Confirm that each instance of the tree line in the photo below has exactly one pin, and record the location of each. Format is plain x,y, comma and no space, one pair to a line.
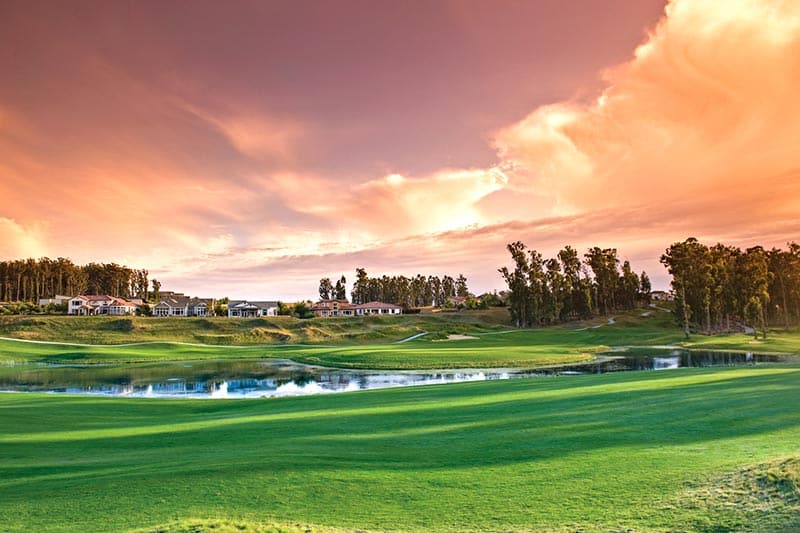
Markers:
407,292
718,287
548,291
28,280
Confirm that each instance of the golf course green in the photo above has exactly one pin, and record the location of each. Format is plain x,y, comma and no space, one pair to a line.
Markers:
604,452
691,449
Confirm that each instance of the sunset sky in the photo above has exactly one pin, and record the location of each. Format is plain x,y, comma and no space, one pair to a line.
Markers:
249,148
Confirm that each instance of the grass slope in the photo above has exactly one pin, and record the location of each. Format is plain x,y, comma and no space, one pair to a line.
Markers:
496,346
227,331
599,452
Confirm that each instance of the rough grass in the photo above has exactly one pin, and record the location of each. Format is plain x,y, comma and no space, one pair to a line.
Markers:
760,497
227,331
611,452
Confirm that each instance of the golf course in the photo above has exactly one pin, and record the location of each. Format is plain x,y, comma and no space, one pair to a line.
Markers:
687,449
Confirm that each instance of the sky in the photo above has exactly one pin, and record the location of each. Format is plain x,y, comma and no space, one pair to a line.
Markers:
249,148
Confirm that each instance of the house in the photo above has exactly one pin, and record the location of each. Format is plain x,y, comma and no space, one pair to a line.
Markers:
329,308
55,300
121,306
101,304
178,304
250,309
377,308
661,296
93,304
458,301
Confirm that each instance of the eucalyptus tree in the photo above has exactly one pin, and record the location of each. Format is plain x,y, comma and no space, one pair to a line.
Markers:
360,292
628,287
784,265
571,266
756,277
461,286
325,288
645,287
519,297
340,291
554,292
604,264
688,263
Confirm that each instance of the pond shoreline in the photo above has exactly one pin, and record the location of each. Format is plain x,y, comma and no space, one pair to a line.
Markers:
267,378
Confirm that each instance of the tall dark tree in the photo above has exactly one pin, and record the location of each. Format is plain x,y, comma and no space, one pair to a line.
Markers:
156,290
325,288
461,286
604,265
360,292
519,300
645,288
341,289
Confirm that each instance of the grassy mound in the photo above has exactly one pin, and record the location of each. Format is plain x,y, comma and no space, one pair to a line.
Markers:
760,497
227,331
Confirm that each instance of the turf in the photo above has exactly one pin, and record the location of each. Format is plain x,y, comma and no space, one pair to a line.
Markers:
232,331
599,452
494,346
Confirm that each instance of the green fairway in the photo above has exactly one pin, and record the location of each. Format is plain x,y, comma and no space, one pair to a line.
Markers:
605,452
492,345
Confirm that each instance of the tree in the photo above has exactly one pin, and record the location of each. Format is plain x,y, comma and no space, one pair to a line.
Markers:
555,291
628,287
519,301
325,288
360,292
461,286
645,288
754,314
571,266
301,310
689,262
755,277
603,263
341,289
156,290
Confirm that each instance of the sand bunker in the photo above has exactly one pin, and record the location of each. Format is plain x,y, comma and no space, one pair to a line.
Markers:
460,337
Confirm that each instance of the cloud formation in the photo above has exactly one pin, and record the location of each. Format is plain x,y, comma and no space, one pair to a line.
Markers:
240,187
700,112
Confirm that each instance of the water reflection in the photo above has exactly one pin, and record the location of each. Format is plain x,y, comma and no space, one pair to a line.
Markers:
277,378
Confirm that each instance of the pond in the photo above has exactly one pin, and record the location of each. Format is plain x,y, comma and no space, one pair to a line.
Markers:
276,378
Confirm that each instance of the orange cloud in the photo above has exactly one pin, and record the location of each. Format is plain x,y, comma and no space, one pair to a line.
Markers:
395,205
20,241
705,108
256,136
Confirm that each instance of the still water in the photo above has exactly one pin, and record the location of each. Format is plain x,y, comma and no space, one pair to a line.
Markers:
276,378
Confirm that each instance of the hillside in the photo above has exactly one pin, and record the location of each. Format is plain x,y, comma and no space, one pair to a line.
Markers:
248,332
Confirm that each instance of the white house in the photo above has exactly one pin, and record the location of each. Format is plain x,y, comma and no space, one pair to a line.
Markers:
377,308
248,309
331,308
55,300
121,306
661,296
